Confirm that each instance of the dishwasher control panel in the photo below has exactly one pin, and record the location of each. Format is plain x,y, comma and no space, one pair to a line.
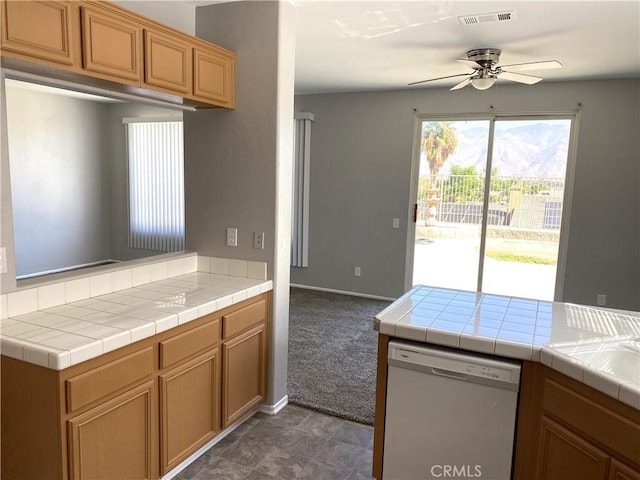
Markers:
453,363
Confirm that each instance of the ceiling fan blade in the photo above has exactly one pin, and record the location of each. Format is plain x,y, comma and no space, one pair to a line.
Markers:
440,78
519,77
462,84
470,63
520,67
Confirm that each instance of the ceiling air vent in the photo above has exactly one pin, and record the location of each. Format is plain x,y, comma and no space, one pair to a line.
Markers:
487,18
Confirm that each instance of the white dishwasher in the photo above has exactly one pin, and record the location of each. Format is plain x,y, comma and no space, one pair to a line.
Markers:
449,414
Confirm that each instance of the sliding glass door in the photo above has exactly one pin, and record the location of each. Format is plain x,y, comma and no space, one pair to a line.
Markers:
489,203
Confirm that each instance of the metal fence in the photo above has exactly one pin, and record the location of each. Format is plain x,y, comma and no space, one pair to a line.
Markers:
518,202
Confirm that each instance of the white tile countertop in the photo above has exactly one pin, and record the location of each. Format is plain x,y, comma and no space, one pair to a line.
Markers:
73,332
553,333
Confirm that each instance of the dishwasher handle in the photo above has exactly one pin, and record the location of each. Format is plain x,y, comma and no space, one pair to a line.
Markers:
449,374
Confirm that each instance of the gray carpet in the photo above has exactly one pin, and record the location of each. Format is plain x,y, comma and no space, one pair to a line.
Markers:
332,353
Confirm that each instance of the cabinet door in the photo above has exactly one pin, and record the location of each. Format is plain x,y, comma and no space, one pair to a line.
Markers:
620,471
244,373
564,455
38,29
213,76
189,408
167,62
115,439
111,45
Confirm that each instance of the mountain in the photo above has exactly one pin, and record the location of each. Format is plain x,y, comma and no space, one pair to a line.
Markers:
521,148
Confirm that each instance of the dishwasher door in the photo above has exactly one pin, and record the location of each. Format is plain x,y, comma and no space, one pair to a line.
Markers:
449,414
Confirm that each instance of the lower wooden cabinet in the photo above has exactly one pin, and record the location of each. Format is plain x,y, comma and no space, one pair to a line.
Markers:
116,439
565,455
244,383
568,430
137,412
189,408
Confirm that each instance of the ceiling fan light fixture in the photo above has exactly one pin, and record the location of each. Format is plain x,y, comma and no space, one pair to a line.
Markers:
483,82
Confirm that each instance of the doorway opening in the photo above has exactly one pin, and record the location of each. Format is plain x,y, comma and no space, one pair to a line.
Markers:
490,198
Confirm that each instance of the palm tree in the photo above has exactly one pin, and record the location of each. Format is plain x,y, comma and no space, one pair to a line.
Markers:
439,140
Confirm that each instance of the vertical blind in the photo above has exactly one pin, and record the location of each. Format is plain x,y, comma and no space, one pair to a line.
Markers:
300,200
156,185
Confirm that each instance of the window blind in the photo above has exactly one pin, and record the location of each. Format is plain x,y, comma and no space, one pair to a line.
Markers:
156,185
300,194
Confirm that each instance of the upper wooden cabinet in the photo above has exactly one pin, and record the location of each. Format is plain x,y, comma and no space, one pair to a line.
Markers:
168,62
94,38
111,45
42,30
213,75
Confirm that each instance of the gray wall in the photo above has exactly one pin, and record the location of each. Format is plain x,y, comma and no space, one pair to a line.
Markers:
59,178
175,13
238,163
361,149
7,279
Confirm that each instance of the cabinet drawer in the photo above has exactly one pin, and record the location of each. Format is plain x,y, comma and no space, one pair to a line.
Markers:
91,386
244,318
186,344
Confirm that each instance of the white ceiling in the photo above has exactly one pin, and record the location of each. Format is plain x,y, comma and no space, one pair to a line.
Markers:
378,45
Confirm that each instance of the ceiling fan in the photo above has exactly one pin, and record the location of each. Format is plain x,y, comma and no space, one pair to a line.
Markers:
484,61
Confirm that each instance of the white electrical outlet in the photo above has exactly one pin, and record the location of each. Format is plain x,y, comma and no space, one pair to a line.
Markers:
602,300
258,240
3,260
357,271
396,223
232,237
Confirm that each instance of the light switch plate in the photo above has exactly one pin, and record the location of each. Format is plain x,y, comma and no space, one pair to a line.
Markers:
232,237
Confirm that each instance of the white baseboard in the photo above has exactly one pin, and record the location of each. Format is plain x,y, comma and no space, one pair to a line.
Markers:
274,409
343,292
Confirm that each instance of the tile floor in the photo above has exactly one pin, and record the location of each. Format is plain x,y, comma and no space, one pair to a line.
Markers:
294,444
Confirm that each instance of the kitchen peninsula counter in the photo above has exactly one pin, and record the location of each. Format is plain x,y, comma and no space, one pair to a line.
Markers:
578,410
525,329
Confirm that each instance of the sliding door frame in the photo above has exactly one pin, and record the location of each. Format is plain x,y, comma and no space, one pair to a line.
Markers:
574,116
